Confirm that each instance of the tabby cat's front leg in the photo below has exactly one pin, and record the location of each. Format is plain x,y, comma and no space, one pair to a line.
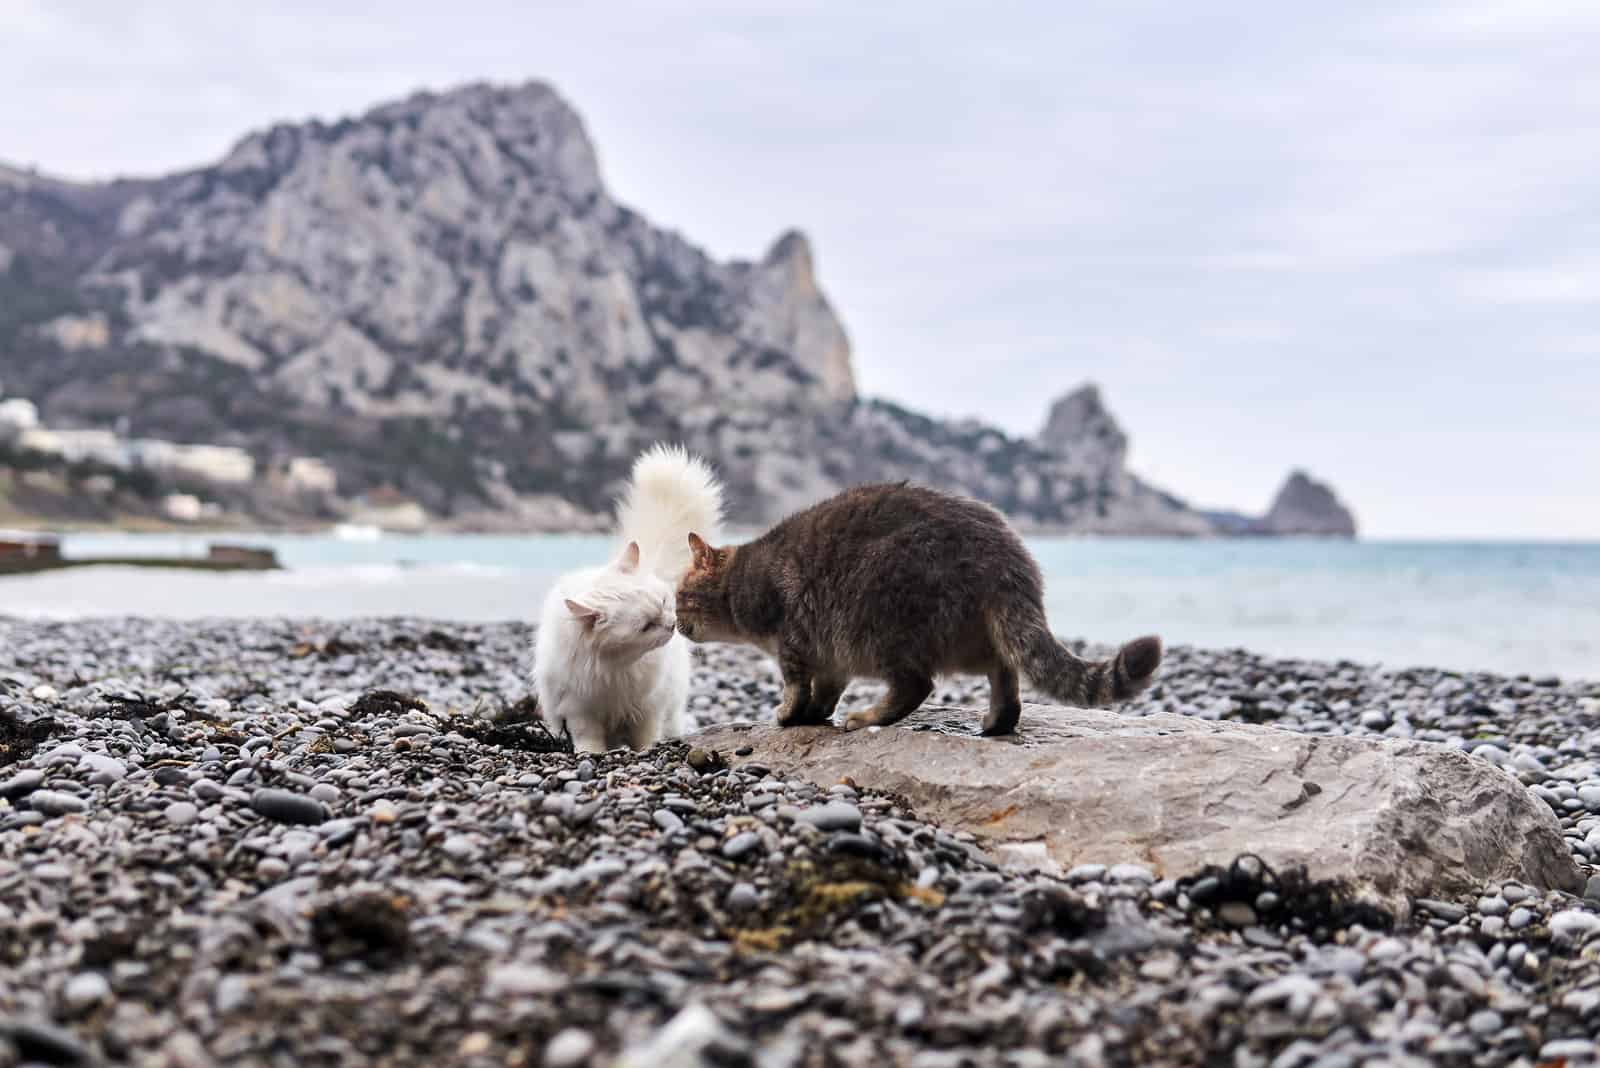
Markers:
795,708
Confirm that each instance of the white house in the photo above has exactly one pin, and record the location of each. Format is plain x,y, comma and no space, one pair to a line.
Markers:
214,463
184,507
311,475
101,446
217,463
16,416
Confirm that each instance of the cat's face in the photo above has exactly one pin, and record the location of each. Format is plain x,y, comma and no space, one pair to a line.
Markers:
625,612
702,600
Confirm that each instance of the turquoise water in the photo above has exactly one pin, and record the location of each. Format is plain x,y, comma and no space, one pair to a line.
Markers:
1531,608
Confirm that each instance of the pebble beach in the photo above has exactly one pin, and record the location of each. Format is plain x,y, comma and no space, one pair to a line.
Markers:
328,843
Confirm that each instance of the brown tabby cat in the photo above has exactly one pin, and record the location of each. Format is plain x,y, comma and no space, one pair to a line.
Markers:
899,583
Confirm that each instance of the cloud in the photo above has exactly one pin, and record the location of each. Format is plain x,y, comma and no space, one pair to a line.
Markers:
1579,285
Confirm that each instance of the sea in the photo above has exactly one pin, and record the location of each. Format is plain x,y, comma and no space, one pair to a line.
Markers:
1508,608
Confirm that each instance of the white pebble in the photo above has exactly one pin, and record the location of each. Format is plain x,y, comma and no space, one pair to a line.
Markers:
85,990
1131,873
1574,925
568,1049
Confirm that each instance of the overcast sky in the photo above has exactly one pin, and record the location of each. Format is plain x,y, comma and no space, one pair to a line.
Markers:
1358,238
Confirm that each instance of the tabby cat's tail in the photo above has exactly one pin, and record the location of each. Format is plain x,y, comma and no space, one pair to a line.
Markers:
1034,653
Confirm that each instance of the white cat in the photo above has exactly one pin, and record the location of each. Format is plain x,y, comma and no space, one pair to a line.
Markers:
609,664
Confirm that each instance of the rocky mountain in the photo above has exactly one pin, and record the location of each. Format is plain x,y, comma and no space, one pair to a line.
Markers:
1307,507
1080,426
1302,507
441,299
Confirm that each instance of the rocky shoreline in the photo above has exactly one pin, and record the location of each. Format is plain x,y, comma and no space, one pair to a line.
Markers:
305,843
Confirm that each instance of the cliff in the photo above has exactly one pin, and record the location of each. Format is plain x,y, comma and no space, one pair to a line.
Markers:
441,299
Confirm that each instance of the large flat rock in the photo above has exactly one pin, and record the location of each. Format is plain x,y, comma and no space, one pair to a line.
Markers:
1395,819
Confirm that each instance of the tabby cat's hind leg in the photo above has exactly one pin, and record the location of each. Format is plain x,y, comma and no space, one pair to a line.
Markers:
907,691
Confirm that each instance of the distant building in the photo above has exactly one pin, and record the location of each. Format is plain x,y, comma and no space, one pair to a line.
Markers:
74,332
214,463
79,446
38,439
16,417
391,510
308,474
217,463
101,446
183,507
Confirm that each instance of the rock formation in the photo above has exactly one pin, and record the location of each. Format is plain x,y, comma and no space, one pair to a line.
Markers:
1079,425
1394,819
1307,507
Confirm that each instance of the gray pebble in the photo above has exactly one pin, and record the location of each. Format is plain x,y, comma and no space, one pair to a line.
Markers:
103,769
741,845
1579,1050
272,869
1236,914
742,898
1445,910
833,816
232,994
1574,925
55,803
22,784
1485,1022
458,846
181,813
1131,873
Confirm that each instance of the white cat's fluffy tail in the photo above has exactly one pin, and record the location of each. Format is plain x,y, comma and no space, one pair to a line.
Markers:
670,494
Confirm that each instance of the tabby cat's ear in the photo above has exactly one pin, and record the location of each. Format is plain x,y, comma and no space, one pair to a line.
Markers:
583,613
628,562
704,555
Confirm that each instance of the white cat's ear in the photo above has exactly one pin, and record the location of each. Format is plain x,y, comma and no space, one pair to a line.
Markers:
583,613
628,562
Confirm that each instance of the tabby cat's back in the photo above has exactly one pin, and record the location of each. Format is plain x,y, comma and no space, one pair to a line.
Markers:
902,583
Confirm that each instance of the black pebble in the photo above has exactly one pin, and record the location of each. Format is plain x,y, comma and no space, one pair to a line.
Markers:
288,807
22,784
39,1041
855,845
